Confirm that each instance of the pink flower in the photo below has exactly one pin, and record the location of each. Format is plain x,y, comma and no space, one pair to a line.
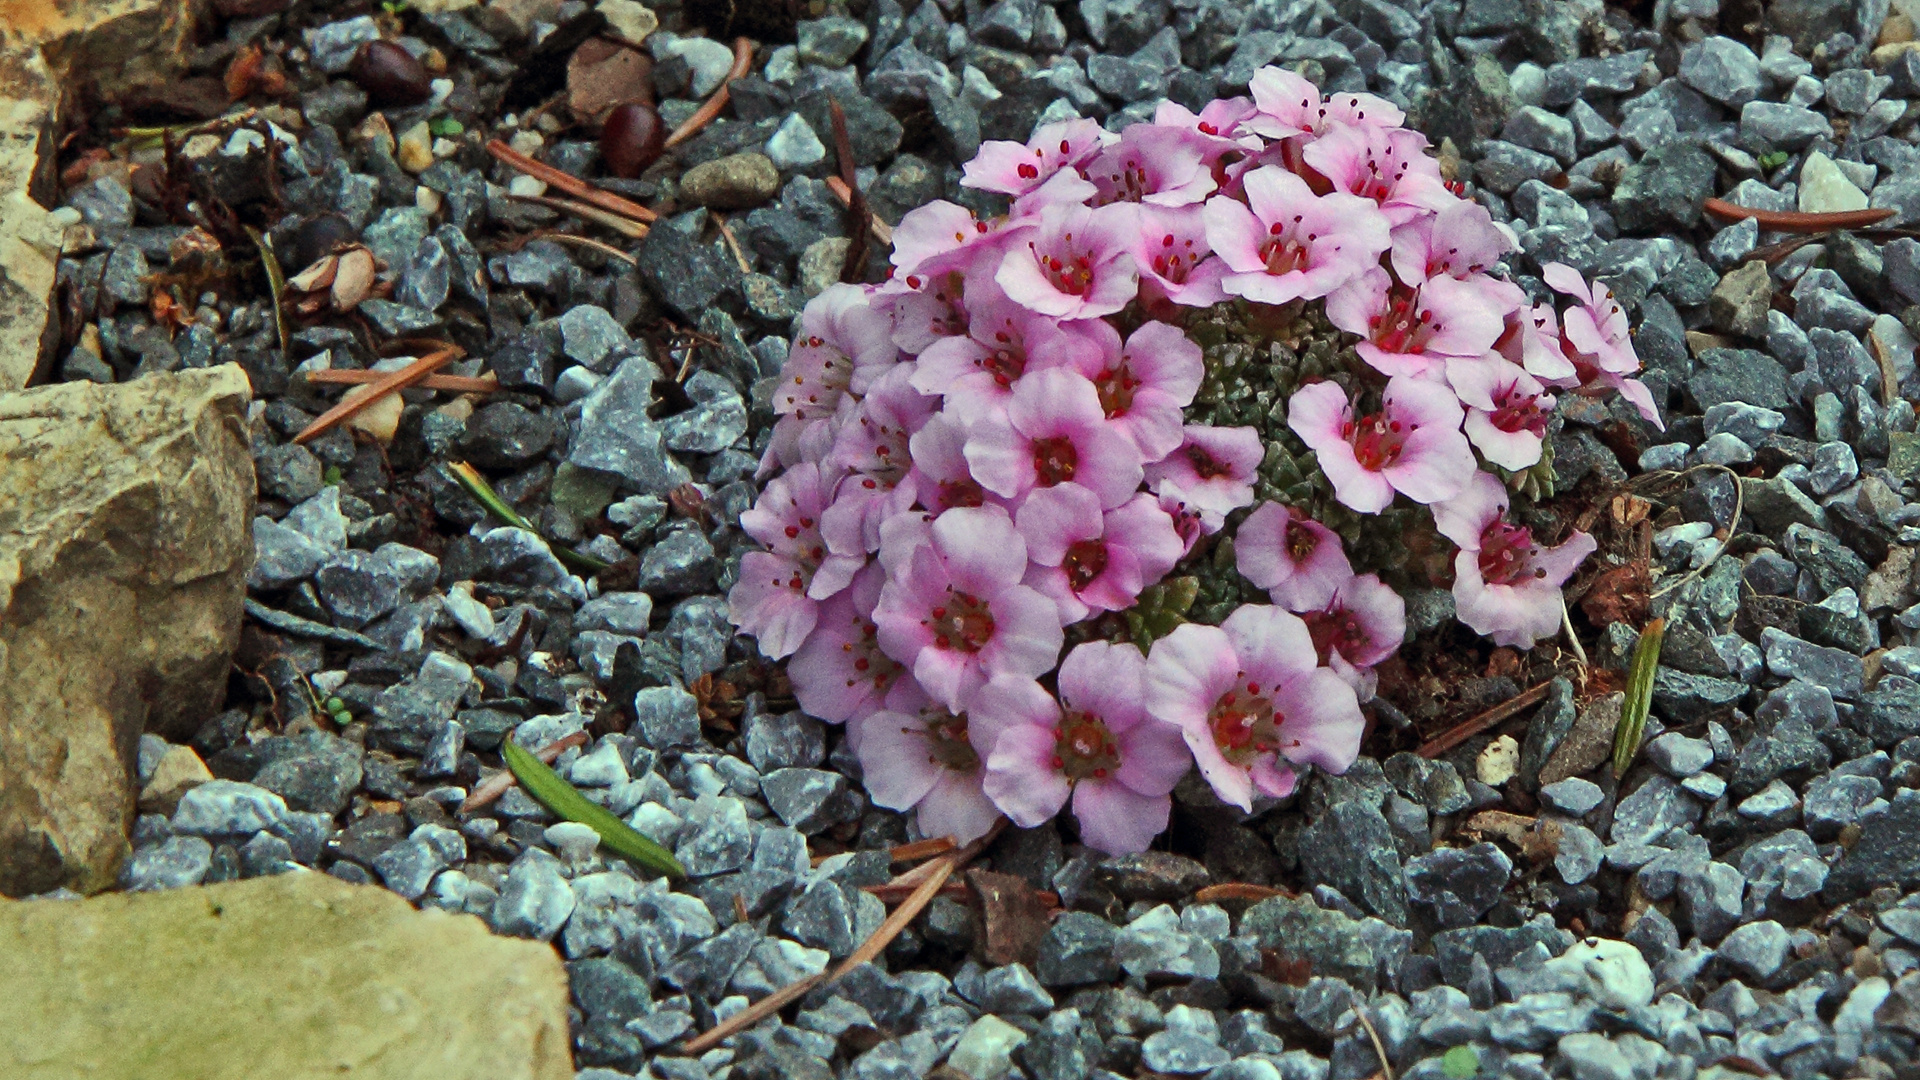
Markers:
937,238
1299,561
1507,410
958,615
1407,331
1249,698
1506,587
940,477
840,674
930,761
1055,432
1212,471
1171,252
847,344
930,309
976,372
1389,166
1189,523
1287,243
777,596
1144,386
1118,763
1013,169
1594,330
1412,445
1075,264
1218,121
1088,560
1363,624
1289,105
1160,166
1460,241
873,447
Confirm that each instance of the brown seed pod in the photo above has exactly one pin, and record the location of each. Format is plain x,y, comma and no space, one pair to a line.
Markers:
390,75
632,139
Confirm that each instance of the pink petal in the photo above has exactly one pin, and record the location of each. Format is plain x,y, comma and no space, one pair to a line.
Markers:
1117,820
1020,778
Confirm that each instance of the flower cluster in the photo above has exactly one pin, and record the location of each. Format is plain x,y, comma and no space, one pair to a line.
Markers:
979,459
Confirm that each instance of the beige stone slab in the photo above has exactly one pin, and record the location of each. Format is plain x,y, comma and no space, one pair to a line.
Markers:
124,550
295,977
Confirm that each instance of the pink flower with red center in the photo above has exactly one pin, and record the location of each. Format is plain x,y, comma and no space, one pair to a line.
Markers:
930,761
1076,263
1097,744
958,615
930,310
1251,701
840,673
1172,254
1507,410
976,372
1218,121
1086,559
1212,471
1461,241
1286,243
1413,445
845,346
1532,341
1390,167
1144,386
1506,586
1055,432
941,479
777,596
1411,330
1011,168
873,447
1287,105
1593,332
1159,166
1362,624
1189,523
1300,562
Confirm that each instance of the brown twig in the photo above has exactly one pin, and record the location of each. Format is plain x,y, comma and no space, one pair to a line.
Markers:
1461,732
881,231
457,384
859,217
588,212
1237,890
742,63
922,849
733,244
1797,221
1379,1048
496,785
893,894
598,245
909,909
386,384
572,185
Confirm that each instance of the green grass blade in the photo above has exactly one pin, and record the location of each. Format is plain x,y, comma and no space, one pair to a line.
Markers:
476,485
276,284
1633,714
564,799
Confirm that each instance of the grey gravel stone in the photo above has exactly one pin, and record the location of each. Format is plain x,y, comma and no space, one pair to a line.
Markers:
1755,950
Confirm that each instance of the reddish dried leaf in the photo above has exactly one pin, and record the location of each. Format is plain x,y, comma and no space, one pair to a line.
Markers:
1619,595
1014,916
1282,968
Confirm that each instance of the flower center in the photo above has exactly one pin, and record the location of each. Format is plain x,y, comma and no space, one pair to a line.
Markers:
962,492
1205,465
1085,562
1083,748
1054,461
1337,628
1244,724
1116,386
1377,440
1403,327
1506,554
869,663
1173,262
962,623
948,744
1071,274
950,318
1006,358
1284,251
1301,541
1375,182
1514,411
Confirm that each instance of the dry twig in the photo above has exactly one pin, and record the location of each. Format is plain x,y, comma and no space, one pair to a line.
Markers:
742,63
572,185
1465,730
456,384
859,217
384,385
588,212
879,229
1797,221
733,244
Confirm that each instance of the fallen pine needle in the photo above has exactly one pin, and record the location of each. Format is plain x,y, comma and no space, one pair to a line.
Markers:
733,244
1386,1067
882,231
567,182
588,212
922,849
1797,221
1237,890
742,63
908,910
496,785
458,384
1461,732
387,383
604,248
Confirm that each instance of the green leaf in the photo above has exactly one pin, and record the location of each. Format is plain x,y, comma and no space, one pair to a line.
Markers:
564,799
1773,160
446,127
1161,608
1633,714
469,478
276,283
1461,1063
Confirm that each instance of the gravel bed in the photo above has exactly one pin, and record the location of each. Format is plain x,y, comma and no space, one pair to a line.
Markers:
1739,902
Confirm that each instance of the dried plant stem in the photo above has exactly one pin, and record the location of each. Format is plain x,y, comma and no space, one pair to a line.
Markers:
1796,221
1461,732
572,185
496,785
589,212
733,244
1566,623
598,245
742,63
386,384
458,384
881,231
1386,1067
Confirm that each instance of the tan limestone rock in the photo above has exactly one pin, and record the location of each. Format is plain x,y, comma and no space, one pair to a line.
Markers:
178,771
124,550
295,977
